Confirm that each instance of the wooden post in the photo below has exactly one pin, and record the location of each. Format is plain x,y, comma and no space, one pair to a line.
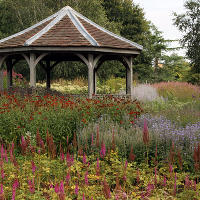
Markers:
9,73
1,80
32,67
48,75
95,80
91,63
2,59
129,76
32,62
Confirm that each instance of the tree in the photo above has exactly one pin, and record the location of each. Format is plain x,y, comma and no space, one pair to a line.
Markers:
189,24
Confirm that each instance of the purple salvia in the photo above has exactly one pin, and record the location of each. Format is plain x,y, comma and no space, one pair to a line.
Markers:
76,189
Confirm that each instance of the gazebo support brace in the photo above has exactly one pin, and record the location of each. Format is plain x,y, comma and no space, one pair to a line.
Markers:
91,63
129,76
48,67
2,59
32,62
9,66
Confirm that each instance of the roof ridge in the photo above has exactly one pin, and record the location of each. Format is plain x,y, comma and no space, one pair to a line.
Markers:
30,28
60,16
107,31
80,27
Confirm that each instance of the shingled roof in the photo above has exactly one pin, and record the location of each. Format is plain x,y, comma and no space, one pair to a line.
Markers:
67,28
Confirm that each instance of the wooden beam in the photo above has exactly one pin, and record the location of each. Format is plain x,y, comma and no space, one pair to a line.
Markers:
73,49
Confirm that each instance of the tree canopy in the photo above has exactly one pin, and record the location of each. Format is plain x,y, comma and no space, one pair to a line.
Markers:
189,24
119,16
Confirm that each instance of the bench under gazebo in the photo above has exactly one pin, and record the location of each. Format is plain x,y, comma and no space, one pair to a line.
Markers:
67,36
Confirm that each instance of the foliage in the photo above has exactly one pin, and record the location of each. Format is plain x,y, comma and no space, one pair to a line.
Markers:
61,115
34,174
121,17
188,23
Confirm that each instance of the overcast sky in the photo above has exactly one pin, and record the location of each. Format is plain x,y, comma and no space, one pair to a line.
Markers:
160,13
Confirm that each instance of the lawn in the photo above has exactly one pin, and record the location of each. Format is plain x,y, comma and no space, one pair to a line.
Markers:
56,146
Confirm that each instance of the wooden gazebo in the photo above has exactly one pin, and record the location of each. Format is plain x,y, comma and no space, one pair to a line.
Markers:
67,36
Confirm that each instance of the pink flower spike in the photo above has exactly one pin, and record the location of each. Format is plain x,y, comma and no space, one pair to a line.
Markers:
170,168
103,150
164,181
84,159
195,186
67,178
92,139
83,197
86,178
2,173
175,178
2,151
187,182
62,188
97,163
33,167
57,188
1,190
62,156
31,186
76,189
5,155
126,164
